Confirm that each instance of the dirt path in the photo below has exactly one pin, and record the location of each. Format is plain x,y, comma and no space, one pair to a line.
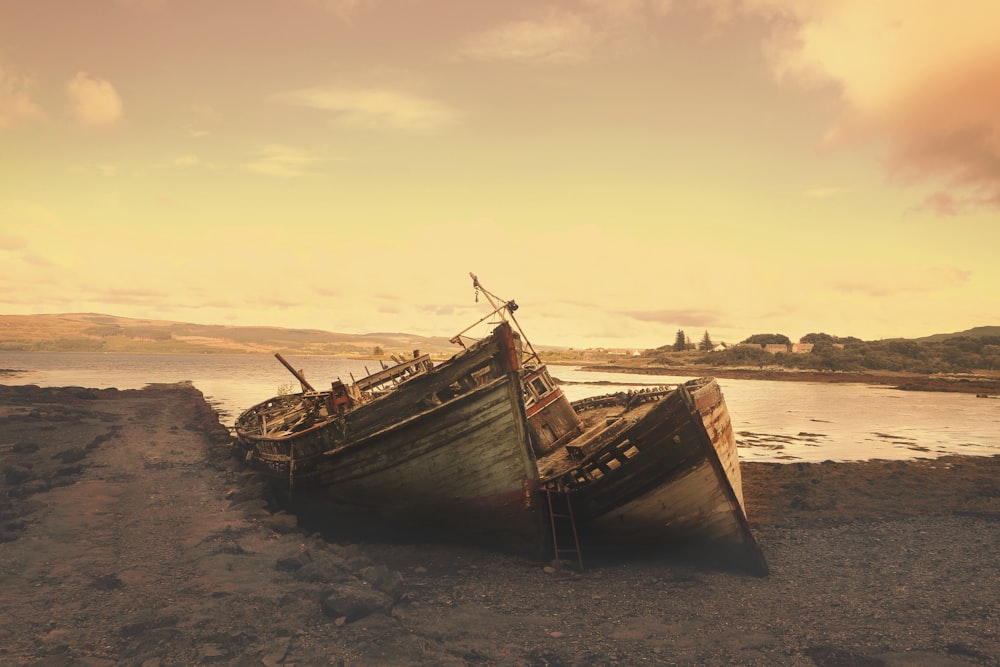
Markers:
128,536
133,548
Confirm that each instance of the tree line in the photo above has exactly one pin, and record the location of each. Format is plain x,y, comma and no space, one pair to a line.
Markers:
832,353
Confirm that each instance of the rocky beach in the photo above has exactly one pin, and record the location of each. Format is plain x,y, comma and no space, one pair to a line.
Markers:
129,535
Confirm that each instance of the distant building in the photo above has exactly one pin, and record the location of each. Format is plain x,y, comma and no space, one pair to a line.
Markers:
802,348
775,348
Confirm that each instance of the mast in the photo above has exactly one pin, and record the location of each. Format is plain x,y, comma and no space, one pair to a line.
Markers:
500,307
298,374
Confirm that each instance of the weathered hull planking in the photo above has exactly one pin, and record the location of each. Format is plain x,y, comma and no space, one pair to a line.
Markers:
675,480
467,449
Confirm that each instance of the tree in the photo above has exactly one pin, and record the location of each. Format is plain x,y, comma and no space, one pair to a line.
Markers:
680,342
768,339
743,356
377,351
818,339
706,343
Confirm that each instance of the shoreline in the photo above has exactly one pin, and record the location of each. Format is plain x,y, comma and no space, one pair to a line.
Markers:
131,535
985,386
968,384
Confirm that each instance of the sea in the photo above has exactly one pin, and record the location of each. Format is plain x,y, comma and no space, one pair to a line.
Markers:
774,421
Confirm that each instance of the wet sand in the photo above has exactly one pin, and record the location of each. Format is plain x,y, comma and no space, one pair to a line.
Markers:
130,536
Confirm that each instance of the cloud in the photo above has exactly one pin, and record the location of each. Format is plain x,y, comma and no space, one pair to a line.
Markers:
439,310
19,249
372,107
626,9
944,204
95,169
558,37
204,117
93,102
143,5
16,103
132,295
887,279
326,291
282,160
187,160
345,10
11,242
279,303
576,33
35,259
822,192
688,318
919,75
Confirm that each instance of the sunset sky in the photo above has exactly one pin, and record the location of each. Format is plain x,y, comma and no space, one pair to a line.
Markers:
621,168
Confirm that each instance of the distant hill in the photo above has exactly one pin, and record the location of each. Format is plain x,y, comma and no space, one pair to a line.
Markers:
94,332
975,332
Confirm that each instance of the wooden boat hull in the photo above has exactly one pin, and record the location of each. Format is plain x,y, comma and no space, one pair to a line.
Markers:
447,452
298,454
681,486
465,469
455,453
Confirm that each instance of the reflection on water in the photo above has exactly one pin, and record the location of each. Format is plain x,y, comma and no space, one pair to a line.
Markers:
773,421
232,382
812,421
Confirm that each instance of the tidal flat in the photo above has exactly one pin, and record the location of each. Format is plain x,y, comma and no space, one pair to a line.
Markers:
130,536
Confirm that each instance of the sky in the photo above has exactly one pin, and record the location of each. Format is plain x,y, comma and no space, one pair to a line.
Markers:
622,169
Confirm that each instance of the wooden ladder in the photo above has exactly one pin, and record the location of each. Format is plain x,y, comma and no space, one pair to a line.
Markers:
561,511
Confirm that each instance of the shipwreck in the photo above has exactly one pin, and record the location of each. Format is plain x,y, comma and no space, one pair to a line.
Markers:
486,447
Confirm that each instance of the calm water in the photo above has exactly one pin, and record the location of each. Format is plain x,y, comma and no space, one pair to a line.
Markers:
774,421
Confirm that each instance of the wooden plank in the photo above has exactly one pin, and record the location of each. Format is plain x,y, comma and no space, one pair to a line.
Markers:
394,372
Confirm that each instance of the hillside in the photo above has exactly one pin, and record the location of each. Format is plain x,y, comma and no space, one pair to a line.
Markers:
975,332
92,332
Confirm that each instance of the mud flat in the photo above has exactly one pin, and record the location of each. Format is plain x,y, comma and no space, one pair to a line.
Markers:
129,536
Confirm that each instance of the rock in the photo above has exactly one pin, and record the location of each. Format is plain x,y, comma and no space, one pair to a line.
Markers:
321,567
292,564
16,474
71,455
282,523
354,601
30,488
385,580
16,525
108,582
64,476
276,652
213,653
